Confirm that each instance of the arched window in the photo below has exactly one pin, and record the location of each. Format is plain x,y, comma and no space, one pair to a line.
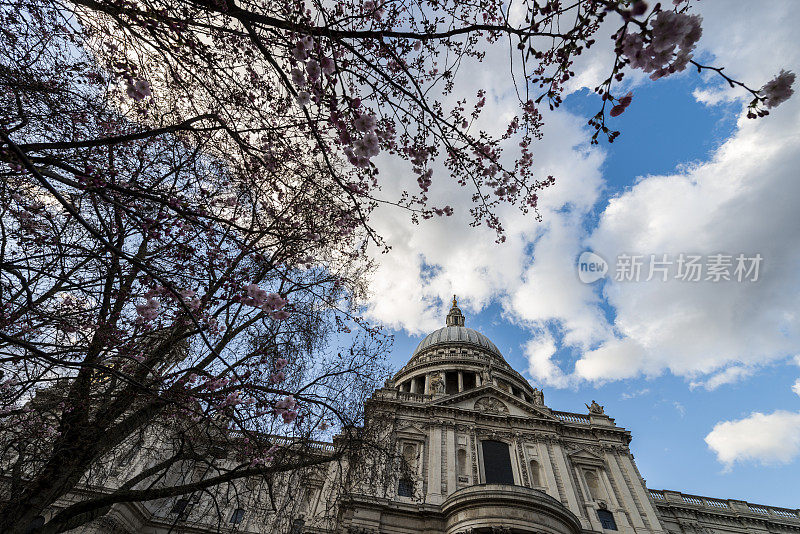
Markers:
497,463
535,477
410,457
461,462
594,485
405,486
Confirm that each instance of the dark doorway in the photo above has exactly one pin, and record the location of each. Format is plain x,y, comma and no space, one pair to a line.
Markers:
497,463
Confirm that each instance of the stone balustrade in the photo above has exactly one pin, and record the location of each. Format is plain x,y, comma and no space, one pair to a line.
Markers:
666,497
572,417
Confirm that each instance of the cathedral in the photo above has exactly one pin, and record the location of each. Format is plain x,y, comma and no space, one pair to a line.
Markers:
481,453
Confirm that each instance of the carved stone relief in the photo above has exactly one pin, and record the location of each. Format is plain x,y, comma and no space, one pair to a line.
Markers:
490,405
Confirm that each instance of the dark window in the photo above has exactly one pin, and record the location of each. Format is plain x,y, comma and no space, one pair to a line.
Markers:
180,506
497,463
237,516
469,381
420,384
405,488
607,520
297,526
451,383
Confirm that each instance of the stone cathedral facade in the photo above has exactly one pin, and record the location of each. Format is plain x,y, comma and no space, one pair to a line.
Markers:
482,453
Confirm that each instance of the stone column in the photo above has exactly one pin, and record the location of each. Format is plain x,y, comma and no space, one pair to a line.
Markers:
548,471
460,381
639,488
427,384
625,494
413,387
434,495
452,459
566,479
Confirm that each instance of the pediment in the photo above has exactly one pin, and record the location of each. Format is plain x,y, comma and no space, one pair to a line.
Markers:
586,457
493,401
411,432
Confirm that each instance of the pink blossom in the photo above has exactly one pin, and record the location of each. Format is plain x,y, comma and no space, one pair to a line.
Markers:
298,78
424,180
274,301
279,315
216,384
673,38
286,403
622,104
365,123
231,400
303,98
255,295
189,298
289,416
358,161
299,52
367,146
277,378
280,363
312,69
138,90
148,311
328,66
372,8
779,89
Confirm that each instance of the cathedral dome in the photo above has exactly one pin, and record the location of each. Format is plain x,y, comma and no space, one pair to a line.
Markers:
455,359
456,334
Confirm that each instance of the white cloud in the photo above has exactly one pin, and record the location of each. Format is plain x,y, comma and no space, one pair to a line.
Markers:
796,386
765,438
634,394
730,375
740,200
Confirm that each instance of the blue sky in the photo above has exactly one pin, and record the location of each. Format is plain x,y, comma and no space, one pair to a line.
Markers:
676,364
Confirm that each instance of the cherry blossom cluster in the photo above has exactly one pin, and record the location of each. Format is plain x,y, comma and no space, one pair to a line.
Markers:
285,408
779,89
367,146
666,48
269,302
622,105
137,89
279,375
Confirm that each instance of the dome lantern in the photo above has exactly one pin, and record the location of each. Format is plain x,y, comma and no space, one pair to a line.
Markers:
455,317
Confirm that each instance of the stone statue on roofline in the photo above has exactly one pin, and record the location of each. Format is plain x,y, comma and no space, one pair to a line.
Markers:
595,408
